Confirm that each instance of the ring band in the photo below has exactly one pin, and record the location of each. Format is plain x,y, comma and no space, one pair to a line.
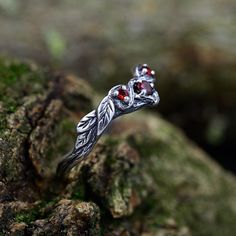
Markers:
121,99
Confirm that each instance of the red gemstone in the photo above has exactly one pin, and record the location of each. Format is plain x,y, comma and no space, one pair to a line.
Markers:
148,70
139,86
122,94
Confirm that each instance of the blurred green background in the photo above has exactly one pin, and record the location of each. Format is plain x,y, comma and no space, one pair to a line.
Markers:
191,45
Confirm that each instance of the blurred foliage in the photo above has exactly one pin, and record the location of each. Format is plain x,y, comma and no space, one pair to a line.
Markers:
56,44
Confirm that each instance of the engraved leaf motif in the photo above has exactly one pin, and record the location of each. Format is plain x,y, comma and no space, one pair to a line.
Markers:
87,130
87,122
87,137
105,113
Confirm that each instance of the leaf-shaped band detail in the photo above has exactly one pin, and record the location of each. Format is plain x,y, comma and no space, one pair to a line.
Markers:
87,130
105,113
87,122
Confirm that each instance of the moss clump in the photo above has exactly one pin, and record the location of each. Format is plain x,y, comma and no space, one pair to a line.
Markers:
26,217
186,186
18,80
41,211
119,196
10,72
29,215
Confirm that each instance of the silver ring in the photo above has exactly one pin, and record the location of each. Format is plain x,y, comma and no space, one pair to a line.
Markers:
121,99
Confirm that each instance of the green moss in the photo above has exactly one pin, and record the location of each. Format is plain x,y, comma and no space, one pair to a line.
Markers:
153,212
183,185
25,217
79,190
10,103
199,165
28,216
14,83
38,212
78,193
11,71
147,146
119,195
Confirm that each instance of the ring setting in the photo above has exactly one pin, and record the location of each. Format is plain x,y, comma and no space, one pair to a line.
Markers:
121,99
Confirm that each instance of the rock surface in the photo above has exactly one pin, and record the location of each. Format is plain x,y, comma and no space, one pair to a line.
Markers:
148,179
190,43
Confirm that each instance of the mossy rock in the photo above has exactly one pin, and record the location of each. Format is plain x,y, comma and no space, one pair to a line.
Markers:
148,179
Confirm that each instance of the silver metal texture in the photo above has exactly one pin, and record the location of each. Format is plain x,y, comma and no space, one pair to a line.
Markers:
121,99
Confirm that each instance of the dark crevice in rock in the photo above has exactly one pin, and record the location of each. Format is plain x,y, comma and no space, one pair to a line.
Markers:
54,93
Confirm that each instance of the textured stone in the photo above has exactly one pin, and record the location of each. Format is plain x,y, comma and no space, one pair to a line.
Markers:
148,179
69,218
